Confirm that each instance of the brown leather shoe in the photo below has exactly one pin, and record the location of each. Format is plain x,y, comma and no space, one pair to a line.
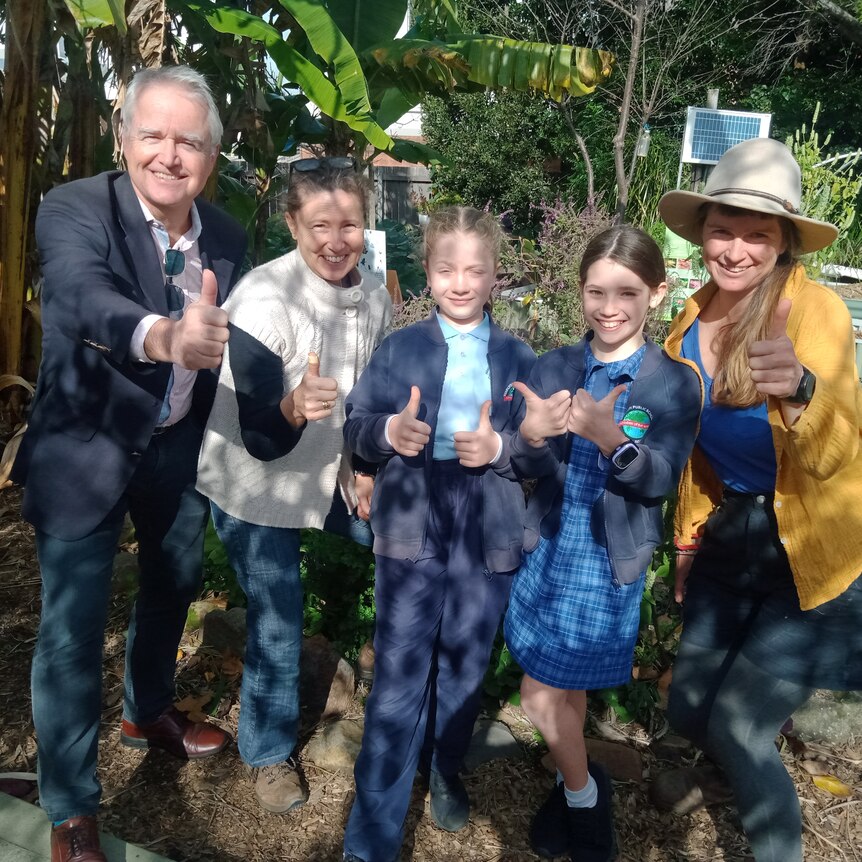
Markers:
76,840
175,733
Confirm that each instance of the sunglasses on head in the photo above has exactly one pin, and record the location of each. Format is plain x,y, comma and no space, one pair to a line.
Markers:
338,163
175,263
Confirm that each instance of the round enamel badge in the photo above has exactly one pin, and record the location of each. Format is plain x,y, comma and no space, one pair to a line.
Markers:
636,422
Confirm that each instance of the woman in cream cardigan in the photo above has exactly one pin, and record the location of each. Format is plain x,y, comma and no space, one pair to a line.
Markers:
768,524
302,328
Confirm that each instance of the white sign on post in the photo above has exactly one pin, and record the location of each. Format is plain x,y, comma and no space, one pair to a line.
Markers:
374,254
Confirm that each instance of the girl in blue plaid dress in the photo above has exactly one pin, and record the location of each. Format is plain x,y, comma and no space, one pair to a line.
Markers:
614,449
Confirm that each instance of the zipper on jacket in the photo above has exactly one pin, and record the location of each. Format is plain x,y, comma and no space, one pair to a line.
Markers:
614,579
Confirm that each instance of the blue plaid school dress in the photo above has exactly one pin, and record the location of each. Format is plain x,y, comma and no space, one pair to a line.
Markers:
568,625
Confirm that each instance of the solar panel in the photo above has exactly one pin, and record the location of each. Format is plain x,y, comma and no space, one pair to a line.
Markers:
710,132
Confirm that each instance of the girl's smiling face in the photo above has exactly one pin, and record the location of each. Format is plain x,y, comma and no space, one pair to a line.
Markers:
616,302
461,272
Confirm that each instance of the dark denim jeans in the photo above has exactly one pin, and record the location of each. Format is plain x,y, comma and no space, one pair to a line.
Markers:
266,561
744,659
170,519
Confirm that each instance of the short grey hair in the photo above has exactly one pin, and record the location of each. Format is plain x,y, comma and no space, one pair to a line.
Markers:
177,76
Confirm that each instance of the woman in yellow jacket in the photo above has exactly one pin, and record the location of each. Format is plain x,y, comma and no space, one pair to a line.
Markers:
769,522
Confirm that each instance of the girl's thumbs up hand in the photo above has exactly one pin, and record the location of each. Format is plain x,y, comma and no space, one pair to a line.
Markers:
594,420
546,417
478,448
407,434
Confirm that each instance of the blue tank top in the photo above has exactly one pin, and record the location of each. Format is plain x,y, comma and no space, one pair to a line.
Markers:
737,441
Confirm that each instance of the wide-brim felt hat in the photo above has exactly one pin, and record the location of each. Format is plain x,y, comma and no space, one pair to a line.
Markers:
760,175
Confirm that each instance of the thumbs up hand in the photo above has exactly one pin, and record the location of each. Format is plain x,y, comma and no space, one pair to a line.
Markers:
313,399
209,289
198,338
774,367
546,417
409,435
478,448
594,420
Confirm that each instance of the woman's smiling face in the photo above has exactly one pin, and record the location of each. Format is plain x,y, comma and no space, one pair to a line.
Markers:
329,231
741,248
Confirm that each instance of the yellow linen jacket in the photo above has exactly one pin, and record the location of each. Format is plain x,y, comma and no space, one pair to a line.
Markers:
818,487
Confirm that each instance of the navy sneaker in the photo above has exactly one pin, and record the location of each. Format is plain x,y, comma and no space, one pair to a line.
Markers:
450,805
591,830
549,831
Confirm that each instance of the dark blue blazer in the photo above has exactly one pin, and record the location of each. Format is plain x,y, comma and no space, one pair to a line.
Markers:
95,408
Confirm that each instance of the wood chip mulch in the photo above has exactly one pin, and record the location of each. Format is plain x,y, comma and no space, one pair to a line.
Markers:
206,811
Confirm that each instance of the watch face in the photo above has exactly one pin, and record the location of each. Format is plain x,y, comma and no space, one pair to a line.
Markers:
805,391
624,455
806,385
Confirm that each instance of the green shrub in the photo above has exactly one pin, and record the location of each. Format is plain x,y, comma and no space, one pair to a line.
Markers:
338,576
402,244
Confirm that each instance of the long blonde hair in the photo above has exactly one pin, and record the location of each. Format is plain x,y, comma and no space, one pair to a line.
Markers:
732,385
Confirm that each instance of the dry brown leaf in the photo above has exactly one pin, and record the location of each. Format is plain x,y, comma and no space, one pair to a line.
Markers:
194,703
815,767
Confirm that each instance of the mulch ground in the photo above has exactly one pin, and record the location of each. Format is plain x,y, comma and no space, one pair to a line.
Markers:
206,812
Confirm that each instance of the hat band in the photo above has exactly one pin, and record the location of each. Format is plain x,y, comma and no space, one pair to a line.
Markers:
784,204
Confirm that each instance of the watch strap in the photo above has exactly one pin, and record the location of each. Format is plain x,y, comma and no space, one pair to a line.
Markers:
805,391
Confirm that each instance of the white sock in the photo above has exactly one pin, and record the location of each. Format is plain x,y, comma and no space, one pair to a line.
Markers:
586,797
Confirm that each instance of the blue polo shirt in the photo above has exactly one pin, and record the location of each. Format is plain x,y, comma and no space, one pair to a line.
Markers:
466,387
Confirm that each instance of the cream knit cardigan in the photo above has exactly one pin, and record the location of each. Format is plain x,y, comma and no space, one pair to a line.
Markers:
292,311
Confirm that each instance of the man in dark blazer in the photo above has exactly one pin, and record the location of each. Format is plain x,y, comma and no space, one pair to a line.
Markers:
135,267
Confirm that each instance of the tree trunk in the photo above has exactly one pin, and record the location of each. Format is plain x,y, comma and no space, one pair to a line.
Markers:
84,126
25,25
625,110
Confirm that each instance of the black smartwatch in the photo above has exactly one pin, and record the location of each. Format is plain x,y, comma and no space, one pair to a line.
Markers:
624,454
805,391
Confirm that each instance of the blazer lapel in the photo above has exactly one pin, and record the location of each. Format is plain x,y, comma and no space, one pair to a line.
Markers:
142,255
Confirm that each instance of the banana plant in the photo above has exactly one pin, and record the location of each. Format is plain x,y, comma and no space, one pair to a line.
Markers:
348,60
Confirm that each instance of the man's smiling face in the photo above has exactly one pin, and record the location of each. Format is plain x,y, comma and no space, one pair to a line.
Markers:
168,151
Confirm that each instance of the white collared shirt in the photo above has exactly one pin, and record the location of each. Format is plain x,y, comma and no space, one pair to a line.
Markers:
189,281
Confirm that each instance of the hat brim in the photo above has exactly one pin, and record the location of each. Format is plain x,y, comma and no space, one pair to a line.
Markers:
681,212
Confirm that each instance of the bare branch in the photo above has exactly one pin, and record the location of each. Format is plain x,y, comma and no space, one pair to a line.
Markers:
847,24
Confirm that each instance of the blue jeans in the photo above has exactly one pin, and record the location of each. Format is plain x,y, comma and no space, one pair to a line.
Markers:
266,562
170,519
744,662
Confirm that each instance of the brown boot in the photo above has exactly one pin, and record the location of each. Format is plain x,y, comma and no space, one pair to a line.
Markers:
280,788
685,790
76,840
